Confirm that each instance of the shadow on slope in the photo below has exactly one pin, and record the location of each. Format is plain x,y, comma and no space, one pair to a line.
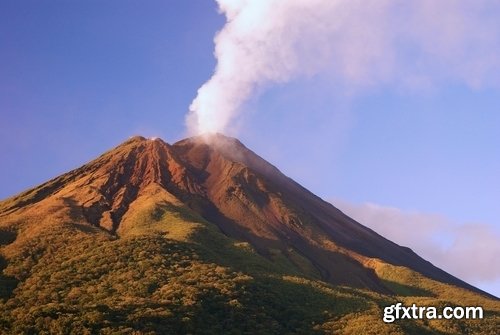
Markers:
7,283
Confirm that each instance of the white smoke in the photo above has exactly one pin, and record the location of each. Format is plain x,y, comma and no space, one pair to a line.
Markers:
359,43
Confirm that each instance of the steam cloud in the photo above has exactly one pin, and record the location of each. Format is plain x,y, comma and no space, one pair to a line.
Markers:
357,43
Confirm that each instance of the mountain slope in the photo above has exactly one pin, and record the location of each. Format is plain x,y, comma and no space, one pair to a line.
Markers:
267,204
153,237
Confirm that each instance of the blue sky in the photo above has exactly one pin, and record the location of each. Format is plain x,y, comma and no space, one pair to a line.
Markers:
77,78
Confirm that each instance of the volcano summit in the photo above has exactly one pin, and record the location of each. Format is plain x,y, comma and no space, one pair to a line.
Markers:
204,236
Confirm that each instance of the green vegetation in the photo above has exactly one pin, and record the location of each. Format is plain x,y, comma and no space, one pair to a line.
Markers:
155,285
171,272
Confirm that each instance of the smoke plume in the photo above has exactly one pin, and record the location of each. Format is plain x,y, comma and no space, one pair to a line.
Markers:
357,43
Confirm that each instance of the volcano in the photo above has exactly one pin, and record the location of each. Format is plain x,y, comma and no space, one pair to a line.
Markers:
205,236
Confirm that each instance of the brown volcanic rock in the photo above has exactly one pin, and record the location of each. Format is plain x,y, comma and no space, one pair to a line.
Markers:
270,210
228,185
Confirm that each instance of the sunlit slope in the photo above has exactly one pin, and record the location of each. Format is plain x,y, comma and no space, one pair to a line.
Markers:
153,238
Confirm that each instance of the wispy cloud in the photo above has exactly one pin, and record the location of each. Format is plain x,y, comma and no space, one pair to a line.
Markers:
410,44
469,251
